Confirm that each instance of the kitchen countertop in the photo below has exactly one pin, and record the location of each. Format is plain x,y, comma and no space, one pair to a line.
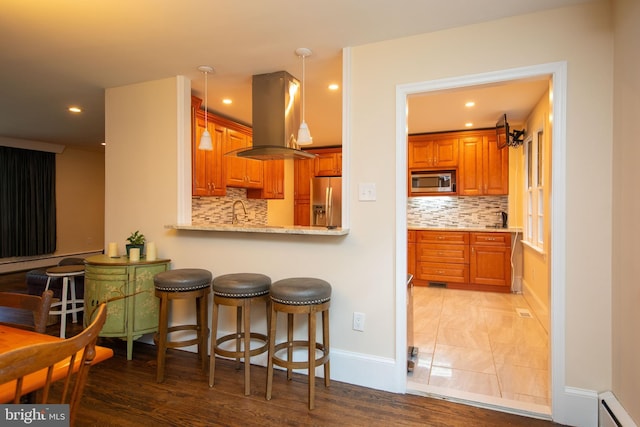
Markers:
476,228
269,229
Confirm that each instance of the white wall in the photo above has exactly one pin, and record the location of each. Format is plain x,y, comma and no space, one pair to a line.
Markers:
361,266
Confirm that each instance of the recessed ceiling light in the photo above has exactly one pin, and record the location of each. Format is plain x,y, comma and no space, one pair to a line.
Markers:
469,104
227,101
468,124
75,109
334,86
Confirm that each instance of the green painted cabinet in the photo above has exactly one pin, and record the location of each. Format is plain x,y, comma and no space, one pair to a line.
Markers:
127,288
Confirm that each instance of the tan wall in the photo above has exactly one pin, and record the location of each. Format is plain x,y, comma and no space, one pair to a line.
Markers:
79,201
626,207
537,264
361,266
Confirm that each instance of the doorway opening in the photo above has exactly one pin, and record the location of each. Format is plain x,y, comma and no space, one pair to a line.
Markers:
556,73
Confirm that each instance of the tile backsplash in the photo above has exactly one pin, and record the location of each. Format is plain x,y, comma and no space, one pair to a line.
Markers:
446,211
219,210
434,211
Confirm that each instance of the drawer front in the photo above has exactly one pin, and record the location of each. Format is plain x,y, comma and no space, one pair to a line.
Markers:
411,236
491,239
432,252
443,272
450,237
109,270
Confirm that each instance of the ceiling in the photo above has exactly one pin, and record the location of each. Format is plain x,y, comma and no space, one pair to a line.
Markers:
66,52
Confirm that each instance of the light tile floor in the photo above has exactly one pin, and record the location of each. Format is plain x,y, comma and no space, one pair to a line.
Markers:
476,346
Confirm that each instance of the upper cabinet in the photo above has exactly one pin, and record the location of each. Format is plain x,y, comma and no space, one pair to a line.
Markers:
428,151
272,181
208,175
483,168
245,173
212,171
328,162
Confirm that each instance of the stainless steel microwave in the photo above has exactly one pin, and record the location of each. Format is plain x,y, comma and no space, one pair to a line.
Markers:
425,182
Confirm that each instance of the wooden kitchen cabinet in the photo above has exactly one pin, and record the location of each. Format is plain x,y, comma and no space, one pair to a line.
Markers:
490,262
328,162
483,168
207,167
129,291
303,172
244,173
442,257
272,181
429,151
411,252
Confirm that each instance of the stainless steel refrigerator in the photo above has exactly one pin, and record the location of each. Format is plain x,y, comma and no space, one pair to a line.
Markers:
326,202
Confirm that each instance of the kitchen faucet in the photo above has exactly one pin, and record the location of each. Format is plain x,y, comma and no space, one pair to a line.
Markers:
234,215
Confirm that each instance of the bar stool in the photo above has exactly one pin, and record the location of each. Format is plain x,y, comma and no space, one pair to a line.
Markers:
300,295
185,283
68,274
239,290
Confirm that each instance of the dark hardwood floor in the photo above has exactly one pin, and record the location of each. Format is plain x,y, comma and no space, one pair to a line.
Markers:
125,393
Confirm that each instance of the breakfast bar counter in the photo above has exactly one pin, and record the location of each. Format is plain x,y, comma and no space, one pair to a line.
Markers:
269,229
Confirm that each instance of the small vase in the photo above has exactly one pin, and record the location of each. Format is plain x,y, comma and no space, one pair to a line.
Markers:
135,246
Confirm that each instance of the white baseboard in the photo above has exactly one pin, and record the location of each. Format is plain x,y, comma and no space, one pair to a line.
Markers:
576,407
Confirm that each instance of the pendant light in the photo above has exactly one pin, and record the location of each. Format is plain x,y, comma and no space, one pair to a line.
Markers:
304,136
205,139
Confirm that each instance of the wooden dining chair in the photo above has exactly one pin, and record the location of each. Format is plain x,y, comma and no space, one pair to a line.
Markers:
73,355
38,305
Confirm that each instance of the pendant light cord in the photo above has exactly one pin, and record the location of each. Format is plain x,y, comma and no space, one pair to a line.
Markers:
205,100
304,98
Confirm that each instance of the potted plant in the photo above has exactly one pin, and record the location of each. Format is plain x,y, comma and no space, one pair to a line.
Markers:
136,240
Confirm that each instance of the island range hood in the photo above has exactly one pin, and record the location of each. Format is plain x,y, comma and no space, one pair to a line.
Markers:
276,118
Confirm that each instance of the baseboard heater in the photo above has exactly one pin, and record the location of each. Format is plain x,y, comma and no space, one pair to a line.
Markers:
611,413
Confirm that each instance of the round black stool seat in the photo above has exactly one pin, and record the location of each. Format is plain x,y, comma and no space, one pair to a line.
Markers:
241,285
185,284
301,291
182,280
300,295
239,290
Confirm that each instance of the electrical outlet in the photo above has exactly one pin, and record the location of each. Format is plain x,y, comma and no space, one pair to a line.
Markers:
358,321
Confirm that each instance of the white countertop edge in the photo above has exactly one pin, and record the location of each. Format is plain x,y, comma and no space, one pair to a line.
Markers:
292,229
477,228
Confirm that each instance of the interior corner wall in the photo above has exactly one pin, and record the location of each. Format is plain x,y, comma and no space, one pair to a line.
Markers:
626,207
79,201
141,159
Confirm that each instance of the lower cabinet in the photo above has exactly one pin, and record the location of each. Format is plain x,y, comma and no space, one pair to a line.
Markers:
490,264
411,252
461,259
128,290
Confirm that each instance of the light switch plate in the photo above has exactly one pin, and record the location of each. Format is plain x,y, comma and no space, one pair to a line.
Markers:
367,191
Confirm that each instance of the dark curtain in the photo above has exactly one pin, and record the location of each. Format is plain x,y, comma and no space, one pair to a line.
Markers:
27,202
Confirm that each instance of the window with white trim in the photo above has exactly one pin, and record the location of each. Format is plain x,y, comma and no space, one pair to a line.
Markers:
534,190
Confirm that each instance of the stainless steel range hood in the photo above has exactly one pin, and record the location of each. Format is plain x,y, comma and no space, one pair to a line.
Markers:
276,118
